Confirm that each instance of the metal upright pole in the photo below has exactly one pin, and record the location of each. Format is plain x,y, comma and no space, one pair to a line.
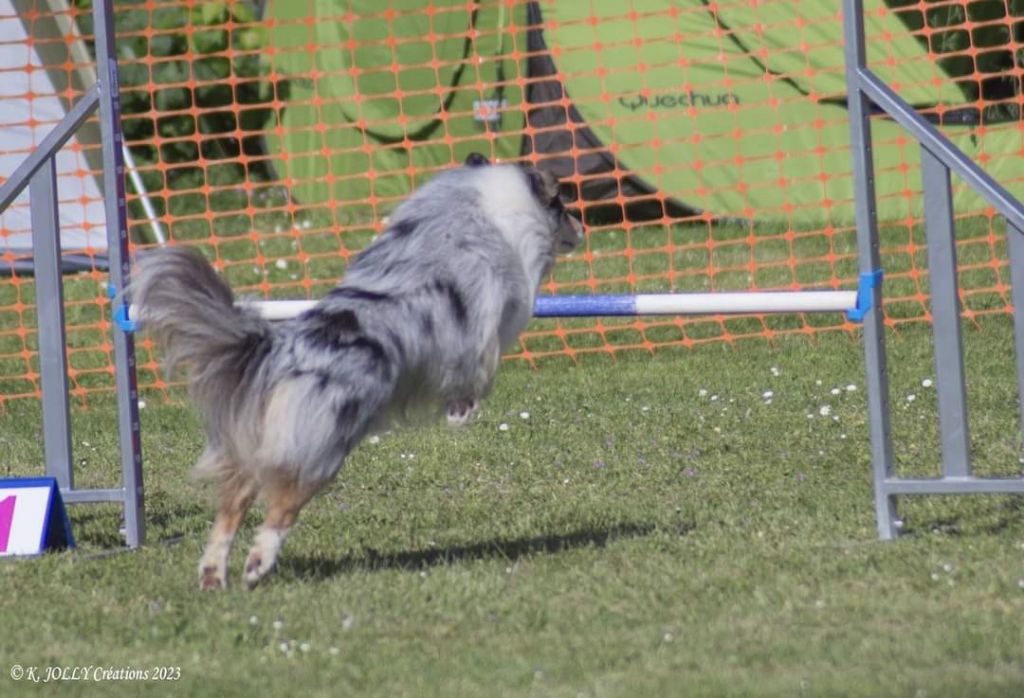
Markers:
117,249
53,367
870,264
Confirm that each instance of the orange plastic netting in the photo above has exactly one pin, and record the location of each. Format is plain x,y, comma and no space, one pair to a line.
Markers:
706,145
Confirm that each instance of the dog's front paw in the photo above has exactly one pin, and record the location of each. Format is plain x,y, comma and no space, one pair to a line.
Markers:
460,411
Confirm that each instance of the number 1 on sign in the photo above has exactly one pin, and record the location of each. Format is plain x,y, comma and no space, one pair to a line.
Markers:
6,517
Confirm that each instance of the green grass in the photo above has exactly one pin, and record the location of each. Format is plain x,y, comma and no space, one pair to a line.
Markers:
634,536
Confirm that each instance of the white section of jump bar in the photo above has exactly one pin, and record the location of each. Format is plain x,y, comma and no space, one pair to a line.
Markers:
281,310
749,302
640,304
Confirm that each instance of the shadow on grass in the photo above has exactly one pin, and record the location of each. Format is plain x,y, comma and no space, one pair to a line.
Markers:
509,550
97,527
991,515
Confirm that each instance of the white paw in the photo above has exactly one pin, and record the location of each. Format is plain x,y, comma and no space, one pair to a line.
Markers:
461,411
213,565
262,556
256,568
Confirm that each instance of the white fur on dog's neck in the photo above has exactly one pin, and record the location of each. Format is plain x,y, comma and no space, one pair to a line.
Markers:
506,198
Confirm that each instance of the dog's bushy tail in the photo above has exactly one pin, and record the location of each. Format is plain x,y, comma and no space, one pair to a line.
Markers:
189,311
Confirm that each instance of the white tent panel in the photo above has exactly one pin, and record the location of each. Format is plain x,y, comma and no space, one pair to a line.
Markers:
30,105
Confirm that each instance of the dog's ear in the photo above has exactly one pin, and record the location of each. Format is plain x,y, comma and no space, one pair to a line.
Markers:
544,185
476,160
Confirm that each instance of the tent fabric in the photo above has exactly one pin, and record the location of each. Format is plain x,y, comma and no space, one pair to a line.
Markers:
722,108
41,41
31,105
377,99
563,142
737,109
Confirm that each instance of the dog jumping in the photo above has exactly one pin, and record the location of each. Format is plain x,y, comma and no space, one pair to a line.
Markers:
415,329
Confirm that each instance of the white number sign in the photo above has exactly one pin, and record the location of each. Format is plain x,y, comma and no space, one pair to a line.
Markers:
32,517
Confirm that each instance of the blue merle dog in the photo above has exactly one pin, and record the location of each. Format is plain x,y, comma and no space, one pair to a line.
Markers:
416,327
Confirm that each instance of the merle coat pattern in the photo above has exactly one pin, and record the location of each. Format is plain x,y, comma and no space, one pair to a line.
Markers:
416,328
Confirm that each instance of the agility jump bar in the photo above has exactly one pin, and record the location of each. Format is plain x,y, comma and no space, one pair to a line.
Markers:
853,303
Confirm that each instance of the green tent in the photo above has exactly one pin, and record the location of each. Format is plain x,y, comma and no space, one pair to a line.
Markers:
737,109
379,95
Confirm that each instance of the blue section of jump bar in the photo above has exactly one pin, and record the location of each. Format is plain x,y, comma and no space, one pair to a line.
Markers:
122,320
866,286
584,306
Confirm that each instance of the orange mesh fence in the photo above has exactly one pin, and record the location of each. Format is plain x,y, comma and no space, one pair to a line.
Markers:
705,144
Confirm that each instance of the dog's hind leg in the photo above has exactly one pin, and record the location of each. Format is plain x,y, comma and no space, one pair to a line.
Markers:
236,495
284,501
460,410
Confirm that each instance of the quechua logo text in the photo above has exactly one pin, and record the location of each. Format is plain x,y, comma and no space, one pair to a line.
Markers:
681,100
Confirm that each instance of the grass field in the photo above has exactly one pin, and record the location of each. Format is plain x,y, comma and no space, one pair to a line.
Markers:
699,523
